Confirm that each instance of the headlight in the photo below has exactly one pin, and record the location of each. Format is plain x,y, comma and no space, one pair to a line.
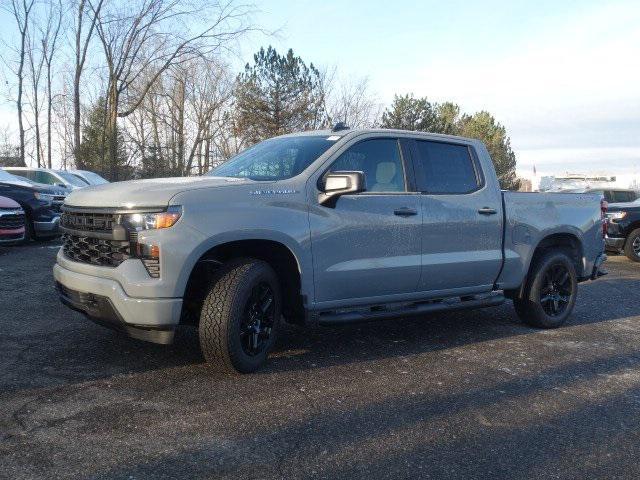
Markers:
45,197
616,215
152,221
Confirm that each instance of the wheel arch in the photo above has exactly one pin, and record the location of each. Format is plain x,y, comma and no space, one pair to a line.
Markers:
279,253
557,239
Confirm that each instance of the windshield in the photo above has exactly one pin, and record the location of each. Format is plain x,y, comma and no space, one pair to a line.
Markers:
93,178
72,179
7,177
275,159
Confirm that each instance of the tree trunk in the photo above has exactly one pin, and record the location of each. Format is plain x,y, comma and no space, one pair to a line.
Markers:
49,107
112,130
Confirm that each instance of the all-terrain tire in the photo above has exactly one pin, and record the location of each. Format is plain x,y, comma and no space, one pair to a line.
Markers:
224,312
631,246
535,306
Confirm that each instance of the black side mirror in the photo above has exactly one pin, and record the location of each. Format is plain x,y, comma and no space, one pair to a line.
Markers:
337,184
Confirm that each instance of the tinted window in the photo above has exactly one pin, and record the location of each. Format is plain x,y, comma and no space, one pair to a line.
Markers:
274,159
380,161
45,177
622,196
445,168
21,173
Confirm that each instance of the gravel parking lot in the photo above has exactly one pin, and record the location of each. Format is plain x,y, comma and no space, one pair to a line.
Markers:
465,395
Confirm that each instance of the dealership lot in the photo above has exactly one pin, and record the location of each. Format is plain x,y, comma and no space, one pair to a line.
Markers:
464,395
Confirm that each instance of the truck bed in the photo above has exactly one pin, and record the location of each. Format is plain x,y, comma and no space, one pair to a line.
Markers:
530,217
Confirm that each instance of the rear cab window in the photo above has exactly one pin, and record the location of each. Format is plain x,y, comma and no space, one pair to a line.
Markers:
445,168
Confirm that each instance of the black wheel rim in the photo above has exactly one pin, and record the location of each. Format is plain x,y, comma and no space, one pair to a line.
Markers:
636,246
557,290
258,320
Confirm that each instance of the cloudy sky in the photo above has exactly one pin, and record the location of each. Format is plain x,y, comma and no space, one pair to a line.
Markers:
562,76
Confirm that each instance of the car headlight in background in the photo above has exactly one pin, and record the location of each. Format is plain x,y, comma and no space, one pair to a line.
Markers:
152,221
615,216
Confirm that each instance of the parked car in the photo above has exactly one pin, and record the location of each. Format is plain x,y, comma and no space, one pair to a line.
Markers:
325,227
618,195
57,178
623,230
12,221
90,178
41,204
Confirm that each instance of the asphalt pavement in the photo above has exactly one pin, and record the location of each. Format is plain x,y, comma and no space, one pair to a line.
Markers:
463,395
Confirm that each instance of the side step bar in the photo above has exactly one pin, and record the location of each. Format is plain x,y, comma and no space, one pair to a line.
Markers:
343,317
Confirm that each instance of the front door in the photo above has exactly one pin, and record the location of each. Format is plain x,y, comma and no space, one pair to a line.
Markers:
368,245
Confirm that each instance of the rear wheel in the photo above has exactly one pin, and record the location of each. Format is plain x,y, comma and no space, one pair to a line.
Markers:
240,316
550,293
632,246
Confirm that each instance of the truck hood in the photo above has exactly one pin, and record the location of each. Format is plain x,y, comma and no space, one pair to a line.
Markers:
154,192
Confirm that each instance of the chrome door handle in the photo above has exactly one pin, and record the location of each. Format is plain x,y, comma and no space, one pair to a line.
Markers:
487,211
405,212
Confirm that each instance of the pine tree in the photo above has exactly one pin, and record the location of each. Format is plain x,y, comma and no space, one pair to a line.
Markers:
277,95
483,126
418,114
94,151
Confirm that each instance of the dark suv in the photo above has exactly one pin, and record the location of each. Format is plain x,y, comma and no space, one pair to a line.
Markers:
41,204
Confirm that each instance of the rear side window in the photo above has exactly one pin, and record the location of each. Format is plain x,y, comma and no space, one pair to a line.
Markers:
445,168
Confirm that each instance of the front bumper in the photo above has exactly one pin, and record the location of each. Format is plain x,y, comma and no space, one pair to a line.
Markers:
47,228
104,301
614,243
10,236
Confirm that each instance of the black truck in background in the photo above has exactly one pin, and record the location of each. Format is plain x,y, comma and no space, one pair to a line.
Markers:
623,229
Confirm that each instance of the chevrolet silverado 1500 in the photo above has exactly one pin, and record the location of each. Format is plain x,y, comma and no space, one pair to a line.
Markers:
322,227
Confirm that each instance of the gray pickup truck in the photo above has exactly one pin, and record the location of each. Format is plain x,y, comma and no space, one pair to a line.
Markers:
322,227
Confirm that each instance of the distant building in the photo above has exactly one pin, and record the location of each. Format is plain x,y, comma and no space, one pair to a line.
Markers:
575,181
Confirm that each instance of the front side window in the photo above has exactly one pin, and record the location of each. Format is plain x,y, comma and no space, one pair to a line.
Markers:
380,161
445,168
46,178
275,159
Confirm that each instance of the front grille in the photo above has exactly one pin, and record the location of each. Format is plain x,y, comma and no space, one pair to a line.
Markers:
96,251
88,222
11,221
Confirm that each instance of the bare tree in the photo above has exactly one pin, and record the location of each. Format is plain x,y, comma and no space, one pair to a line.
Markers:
35,63
49,40
351,101
144,38
87,15
20,10
174,127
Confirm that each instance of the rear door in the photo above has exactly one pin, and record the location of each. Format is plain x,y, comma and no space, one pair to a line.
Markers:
368,245
462,219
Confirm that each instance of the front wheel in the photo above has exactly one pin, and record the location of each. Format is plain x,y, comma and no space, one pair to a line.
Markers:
240,316
550,293
632,246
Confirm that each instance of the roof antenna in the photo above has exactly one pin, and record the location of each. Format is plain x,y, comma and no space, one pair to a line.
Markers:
339,126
